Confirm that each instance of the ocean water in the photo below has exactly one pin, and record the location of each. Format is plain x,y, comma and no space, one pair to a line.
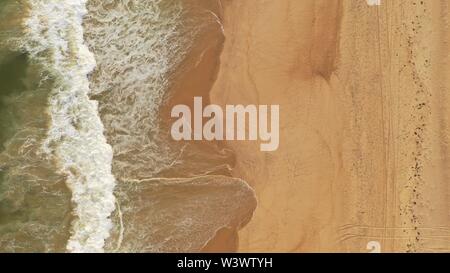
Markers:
35,207
52,39
136,44
86,163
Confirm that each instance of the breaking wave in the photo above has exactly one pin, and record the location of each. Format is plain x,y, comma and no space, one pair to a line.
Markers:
53,38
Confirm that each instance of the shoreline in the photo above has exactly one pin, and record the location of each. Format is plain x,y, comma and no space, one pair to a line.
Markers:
194,77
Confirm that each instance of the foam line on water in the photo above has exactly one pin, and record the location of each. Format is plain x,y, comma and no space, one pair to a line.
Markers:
137,44
53,37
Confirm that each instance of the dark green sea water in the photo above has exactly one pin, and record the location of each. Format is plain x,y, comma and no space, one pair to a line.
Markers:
34,201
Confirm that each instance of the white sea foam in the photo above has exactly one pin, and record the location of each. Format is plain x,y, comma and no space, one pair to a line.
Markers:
136,44
54,38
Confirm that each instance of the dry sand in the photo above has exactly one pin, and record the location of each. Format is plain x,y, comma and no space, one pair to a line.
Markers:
364,96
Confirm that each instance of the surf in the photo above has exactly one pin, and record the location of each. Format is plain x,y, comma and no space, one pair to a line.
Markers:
53,38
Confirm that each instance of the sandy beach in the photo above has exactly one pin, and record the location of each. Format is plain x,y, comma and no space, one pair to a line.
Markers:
364,98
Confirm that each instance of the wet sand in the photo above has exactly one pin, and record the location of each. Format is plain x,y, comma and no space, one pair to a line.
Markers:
227,203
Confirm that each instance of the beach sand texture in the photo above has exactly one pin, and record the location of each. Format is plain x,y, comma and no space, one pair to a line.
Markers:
364,123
